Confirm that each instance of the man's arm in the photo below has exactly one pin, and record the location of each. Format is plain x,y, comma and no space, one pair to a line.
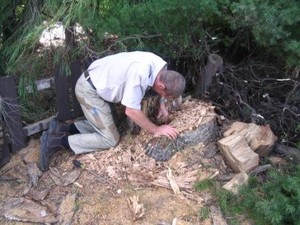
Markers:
163,110
140,119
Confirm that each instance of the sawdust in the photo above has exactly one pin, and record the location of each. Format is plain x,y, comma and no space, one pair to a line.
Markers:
114,180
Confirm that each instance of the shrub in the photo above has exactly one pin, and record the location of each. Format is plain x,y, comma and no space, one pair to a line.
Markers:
276,201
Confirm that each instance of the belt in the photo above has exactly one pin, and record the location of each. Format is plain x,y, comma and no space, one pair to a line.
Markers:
88,79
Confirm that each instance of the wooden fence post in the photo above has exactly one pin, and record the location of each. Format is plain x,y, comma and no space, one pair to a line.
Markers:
76,71
5,154
62,94
66,101
11,113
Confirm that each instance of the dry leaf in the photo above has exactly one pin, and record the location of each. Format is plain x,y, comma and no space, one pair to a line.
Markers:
55,176
66,209
111,172
70,177
34,173
65,179
137,209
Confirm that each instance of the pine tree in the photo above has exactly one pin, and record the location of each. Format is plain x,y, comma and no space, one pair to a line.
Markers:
183,30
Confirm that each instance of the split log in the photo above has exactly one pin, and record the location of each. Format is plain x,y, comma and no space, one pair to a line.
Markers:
238,154
244,143
260,138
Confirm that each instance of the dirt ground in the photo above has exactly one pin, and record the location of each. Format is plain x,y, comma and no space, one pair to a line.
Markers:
118,186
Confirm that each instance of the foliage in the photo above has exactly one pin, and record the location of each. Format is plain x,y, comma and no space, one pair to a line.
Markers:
41,105
204,213
276,201
273,24
184,30
204,184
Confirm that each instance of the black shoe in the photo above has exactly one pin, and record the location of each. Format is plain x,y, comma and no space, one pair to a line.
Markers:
56,127
50,143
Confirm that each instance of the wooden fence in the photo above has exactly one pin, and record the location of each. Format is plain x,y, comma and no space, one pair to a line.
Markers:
10,114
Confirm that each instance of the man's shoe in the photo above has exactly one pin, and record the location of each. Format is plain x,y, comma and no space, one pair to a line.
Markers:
56,127
50,143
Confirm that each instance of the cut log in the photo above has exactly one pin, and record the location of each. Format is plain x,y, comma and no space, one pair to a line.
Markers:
244,143
260,138
196,123
238,154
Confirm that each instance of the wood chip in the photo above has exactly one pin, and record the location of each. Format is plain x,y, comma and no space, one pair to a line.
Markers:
25,210
34,173
63,179
184,181
40,195
67,209
173,183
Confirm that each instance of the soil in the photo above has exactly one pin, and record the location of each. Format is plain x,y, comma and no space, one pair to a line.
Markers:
121,185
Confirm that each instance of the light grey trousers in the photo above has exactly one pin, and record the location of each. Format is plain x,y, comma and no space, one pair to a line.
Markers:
98,131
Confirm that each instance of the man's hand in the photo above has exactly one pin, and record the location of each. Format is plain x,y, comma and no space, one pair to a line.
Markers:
140,119
166,130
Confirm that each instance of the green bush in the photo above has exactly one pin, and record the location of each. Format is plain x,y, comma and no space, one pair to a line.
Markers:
185,31
276,201
274,25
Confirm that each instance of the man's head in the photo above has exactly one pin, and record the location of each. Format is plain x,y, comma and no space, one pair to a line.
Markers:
169,83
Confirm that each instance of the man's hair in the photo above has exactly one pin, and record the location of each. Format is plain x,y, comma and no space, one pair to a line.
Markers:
174,82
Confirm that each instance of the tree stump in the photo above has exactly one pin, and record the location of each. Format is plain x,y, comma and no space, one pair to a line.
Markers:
214,62
196,122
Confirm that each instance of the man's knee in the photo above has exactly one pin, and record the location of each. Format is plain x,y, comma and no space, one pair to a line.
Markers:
114,140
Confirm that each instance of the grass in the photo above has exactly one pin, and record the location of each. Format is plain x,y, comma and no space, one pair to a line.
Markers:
204,184
204,213
274,201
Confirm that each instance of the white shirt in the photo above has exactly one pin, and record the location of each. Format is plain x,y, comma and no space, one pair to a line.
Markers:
125,77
